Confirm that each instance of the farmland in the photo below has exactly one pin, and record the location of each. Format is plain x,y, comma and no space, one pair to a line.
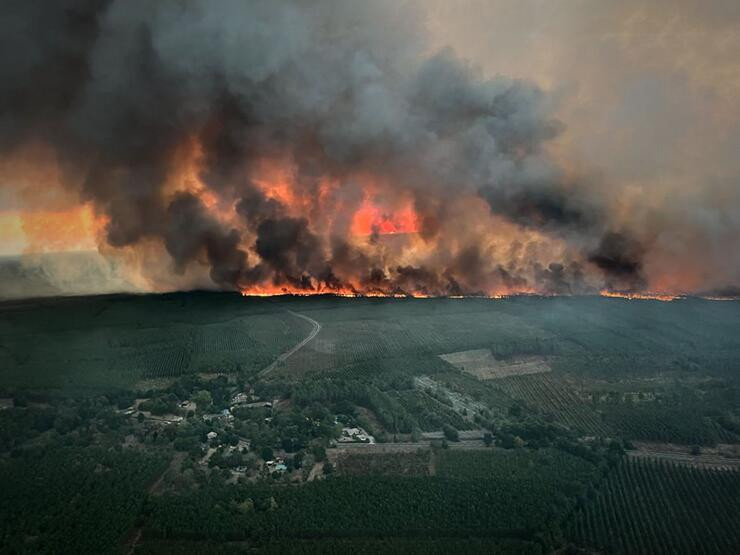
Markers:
525,424
657,507
483,365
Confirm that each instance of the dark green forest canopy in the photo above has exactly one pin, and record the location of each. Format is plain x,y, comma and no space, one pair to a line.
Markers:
115,341
109,406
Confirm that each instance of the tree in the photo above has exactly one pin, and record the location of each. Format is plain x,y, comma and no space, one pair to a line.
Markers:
319,452
488,439
505,440
515,410
203,400
450,433
266,453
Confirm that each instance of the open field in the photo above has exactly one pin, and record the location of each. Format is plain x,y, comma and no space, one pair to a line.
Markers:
481,364
409,463
722,457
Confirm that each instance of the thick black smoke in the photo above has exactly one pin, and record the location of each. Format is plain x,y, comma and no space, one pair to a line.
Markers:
117,87
620,256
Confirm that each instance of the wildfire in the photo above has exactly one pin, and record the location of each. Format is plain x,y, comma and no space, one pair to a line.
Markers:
641,296
263,290
273,291
370,218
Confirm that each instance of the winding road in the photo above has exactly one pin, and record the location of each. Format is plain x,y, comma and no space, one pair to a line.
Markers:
287,354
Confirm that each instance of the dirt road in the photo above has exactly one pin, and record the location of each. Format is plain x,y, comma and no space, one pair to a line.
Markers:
287,354
709,457
154,489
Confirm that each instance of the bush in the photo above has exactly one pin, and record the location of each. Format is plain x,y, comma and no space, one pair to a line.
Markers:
450,433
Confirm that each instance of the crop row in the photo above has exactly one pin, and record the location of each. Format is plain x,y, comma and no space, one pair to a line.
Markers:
547,394
649,506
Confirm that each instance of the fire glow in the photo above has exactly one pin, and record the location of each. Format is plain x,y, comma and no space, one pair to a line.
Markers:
644,296
366,162
370,219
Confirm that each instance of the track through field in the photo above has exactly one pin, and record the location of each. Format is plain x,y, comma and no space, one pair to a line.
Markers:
287,354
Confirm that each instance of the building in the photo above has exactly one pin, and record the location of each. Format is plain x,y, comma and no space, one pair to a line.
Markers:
276,465
355,435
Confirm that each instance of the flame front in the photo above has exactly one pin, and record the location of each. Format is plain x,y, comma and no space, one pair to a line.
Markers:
644,296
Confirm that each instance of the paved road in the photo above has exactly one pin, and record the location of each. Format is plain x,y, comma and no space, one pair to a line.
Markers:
287,354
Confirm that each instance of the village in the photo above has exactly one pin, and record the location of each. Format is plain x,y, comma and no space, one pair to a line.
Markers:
251,438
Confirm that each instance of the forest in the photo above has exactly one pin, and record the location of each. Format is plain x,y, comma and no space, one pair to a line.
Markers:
625,437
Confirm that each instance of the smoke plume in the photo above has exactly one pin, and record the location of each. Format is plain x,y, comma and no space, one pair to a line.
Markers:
305,146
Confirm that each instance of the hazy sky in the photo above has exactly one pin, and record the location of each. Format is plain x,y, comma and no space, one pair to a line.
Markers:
649,93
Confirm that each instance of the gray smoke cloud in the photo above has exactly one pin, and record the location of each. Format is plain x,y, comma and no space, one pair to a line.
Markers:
342,88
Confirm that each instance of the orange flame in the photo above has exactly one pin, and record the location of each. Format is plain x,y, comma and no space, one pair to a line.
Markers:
641,296
370,218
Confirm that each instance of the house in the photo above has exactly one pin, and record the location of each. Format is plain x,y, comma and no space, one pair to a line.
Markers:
224,415
276,465
355,435
211,435
239,399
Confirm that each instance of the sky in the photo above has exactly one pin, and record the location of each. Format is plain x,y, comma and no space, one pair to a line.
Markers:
650,95
434,147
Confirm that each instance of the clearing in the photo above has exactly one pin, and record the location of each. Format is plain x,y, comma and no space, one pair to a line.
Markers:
482,364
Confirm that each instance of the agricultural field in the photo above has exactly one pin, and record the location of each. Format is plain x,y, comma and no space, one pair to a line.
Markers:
486,495
551,396
81,498
647,506
482,364
415,463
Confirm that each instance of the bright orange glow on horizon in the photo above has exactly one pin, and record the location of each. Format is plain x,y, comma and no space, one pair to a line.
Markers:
641,296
